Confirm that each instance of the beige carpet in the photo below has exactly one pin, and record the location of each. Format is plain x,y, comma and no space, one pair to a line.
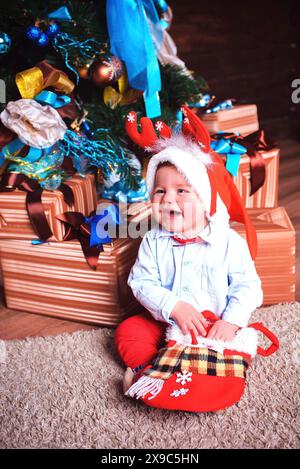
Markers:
65,392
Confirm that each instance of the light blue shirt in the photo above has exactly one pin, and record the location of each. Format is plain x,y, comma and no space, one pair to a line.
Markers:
218,274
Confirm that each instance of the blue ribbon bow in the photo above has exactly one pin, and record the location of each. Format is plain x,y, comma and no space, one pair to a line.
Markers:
52,99
101,223
206,104
227,104
233,150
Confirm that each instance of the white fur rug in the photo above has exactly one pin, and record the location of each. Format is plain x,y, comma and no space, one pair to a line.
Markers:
65,392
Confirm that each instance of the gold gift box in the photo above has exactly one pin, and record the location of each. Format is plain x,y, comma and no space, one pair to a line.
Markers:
14,220
275,261
54,278
241,118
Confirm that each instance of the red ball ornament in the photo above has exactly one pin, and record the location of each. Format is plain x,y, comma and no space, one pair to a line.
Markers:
106,71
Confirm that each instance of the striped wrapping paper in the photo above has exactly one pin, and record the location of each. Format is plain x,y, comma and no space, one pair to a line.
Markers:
54,279
14,221
275,262
267,195
241,119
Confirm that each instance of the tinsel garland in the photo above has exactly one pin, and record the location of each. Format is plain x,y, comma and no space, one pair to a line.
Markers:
100,154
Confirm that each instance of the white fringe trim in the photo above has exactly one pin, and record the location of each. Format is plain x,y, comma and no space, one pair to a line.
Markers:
145,385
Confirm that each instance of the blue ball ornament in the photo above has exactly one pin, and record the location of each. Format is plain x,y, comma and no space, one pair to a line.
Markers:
33,33
43,40
53,29
87,130
5,43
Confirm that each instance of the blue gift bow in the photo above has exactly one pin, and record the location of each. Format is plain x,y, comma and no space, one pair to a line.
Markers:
227,104
121,193
203,102
233,150
131,42
110,215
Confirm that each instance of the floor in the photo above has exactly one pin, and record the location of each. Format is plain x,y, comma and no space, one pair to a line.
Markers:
17,324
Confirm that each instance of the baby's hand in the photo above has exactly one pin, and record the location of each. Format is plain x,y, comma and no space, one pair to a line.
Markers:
222,330
189,318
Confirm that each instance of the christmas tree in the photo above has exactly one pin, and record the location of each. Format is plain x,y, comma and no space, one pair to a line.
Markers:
82,39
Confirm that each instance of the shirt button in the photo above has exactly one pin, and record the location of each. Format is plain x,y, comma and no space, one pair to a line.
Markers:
187,263
186,289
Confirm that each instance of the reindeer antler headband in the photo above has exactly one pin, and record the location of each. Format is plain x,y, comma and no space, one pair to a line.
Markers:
192,127
204,169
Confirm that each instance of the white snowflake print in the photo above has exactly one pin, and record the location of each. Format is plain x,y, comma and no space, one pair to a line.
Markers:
179,392
201,144
159,125
131,118
186,121
183,111
184,377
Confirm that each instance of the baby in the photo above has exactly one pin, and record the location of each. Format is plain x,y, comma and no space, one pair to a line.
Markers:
190,262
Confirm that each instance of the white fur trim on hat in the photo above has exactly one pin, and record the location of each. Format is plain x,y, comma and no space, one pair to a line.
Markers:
190,167
191,162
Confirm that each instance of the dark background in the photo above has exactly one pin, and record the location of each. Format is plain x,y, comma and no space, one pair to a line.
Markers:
246,50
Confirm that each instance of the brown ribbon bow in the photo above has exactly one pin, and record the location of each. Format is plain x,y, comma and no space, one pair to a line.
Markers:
11,181
255,143
78,228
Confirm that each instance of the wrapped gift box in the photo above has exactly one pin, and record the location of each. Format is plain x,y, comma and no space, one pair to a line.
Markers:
14,220
239,119
275,262
267,195
54,279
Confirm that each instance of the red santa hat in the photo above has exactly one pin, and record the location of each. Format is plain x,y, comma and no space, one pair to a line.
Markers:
204,170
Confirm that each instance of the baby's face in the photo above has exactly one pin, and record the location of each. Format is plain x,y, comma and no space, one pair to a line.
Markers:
175,204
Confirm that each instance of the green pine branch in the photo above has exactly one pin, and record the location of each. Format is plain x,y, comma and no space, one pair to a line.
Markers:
89,22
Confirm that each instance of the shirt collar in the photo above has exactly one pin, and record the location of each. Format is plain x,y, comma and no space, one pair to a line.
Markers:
209,234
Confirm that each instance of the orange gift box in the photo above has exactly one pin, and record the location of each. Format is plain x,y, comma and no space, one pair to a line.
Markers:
14,220
275,261
267,195
54,279
241,118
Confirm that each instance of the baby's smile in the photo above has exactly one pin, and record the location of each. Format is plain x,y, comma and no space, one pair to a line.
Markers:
171,213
